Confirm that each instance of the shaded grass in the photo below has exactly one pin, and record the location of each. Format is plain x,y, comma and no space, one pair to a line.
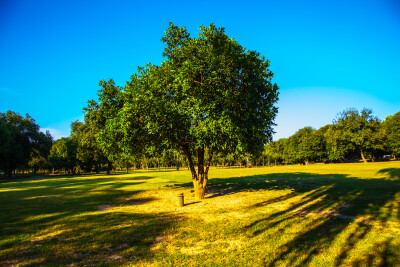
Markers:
319,215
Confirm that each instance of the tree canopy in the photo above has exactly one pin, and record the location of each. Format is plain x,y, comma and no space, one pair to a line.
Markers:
19,138
392,128
358,131
210,95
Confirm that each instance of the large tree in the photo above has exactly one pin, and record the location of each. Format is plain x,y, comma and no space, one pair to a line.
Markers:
97,115
210,95
306,145
355,131
63,154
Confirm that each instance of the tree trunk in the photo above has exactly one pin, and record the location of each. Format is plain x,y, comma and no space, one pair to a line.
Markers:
362,156
247,162
126,169
177,162
199,190
108,167
199,178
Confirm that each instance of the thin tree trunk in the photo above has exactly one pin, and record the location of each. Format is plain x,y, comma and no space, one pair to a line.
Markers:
97,168
362,156
108,167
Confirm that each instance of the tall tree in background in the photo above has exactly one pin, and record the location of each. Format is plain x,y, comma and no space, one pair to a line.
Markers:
306,145
96,116
19,137
63,154
211,95
357,131
392,129
40,152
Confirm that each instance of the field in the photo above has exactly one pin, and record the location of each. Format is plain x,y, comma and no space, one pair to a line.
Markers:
317,215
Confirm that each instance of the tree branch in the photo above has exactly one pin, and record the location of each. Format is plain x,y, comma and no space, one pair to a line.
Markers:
198,82
186,150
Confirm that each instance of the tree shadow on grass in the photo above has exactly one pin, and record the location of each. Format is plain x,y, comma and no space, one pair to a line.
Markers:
61,222
111,238
394,173
326,210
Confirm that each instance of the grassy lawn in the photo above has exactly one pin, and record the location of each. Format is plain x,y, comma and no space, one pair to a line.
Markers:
318,215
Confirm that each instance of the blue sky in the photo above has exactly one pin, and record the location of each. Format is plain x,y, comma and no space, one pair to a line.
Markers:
326,55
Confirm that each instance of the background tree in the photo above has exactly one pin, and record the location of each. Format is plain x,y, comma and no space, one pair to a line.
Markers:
96,116
358,131
308,145
209,95
19,136
40,152
337,146
392,131
63,154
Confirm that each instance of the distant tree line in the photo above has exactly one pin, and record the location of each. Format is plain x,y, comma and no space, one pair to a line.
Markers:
352,136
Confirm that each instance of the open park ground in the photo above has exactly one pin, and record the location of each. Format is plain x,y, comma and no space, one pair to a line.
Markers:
316,215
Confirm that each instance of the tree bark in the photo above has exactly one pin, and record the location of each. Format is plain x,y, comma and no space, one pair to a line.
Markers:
199,178
177,162
362,156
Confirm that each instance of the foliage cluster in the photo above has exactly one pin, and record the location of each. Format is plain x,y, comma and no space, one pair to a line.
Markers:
22,144
352,135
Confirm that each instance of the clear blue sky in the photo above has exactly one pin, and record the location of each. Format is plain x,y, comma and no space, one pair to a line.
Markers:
326,55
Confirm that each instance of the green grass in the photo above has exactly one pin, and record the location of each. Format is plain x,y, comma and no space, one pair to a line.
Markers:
318,215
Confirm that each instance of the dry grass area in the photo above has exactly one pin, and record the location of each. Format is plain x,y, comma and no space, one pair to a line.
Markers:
321,215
